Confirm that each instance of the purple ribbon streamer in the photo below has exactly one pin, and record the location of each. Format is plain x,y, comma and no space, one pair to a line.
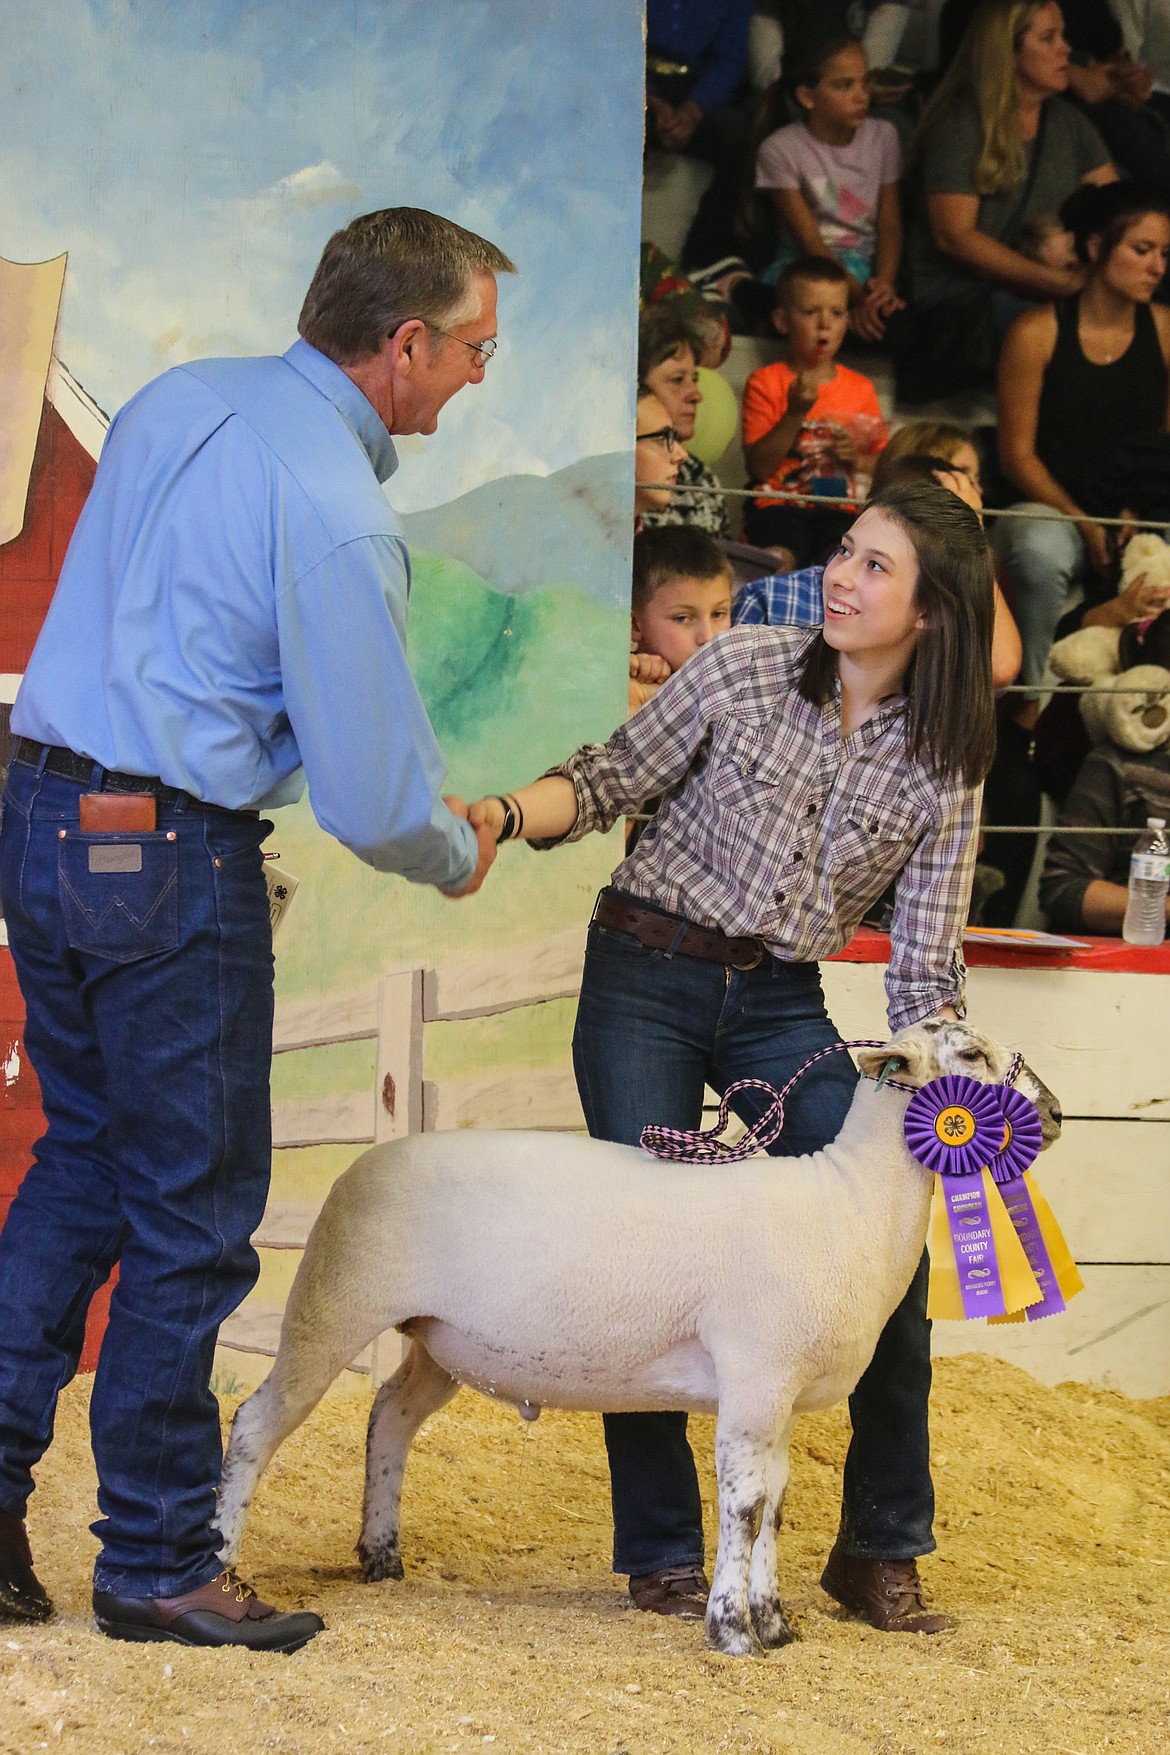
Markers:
1022,1213
979,1282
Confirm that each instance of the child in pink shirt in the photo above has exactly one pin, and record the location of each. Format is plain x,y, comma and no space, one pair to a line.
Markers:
833,177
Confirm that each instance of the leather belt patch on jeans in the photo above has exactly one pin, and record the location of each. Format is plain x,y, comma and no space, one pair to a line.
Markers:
670,932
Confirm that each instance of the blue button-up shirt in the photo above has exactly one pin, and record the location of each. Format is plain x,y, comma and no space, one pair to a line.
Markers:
792,598
231,614
709,34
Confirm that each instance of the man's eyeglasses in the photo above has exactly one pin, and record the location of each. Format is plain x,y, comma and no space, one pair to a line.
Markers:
483,350
664,436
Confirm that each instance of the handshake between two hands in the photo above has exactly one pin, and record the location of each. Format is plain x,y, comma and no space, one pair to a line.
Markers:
486,817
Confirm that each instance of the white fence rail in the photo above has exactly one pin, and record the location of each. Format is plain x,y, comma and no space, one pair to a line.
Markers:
394,1012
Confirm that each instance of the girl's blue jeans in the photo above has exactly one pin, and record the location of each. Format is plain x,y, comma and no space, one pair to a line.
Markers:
651,1031
148,995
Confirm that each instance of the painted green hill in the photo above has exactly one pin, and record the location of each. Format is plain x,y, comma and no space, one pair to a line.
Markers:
512,683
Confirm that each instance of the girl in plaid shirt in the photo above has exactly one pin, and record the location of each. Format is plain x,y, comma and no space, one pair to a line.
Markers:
803,770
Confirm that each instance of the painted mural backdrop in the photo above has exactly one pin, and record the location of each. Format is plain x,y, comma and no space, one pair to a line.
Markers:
168,177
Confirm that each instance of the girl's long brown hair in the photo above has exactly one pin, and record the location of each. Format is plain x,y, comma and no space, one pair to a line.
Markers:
950,710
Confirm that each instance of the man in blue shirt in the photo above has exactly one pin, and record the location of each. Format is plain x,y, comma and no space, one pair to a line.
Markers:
229,625
696,58
793,598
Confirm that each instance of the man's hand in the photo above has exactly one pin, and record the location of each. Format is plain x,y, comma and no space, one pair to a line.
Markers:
1133,83
485,838
1097,546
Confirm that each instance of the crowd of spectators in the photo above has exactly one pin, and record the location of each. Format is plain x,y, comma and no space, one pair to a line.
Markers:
976,195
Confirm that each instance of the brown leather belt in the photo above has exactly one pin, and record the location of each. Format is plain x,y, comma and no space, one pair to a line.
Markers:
670,932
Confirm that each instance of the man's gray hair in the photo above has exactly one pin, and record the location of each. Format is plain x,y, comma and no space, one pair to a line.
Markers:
387,267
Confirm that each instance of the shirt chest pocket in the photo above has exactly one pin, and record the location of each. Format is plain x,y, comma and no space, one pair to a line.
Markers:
873,833
747,773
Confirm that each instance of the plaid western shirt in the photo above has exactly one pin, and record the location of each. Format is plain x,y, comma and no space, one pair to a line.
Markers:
794,598
775,826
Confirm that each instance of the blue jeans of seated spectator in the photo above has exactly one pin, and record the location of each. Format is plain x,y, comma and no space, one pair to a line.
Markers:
149,1022
1044,561
651,1030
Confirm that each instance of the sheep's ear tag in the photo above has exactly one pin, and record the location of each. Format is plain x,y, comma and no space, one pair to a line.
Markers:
891,1066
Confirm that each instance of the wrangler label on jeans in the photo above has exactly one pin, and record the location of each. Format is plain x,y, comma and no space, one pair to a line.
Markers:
121,857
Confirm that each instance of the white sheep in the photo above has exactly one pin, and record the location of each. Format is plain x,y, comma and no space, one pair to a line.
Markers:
548,1269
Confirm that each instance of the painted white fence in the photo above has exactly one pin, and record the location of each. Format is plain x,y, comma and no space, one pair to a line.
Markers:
394,1012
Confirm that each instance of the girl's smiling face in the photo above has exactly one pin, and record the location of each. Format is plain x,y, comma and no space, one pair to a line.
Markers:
871,590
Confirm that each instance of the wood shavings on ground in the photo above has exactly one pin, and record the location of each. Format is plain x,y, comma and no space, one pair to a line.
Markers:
510,1633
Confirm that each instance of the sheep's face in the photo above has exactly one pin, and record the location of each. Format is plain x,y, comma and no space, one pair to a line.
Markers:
933,1049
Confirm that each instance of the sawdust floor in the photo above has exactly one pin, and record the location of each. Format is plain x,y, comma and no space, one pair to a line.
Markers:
511,1634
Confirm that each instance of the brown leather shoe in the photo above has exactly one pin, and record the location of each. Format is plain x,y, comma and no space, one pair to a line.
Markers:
224,1612
886,1593
22,1595
673,1590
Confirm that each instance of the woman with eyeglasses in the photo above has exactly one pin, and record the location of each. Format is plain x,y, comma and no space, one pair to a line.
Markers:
657,456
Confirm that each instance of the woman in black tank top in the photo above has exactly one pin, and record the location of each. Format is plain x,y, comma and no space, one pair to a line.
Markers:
1077,380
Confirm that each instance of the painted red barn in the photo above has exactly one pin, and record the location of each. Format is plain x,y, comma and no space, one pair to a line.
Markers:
51,465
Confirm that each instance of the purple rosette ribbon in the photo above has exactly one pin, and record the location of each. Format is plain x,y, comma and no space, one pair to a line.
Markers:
956,1126
1023,1137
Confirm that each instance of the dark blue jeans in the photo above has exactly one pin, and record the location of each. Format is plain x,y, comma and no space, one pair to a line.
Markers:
148,995
651,1030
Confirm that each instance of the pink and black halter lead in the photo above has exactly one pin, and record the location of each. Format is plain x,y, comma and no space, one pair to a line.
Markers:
704,1146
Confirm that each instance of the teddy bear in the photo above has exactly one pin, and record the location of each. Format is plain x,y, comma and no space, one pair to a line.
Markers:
1125,672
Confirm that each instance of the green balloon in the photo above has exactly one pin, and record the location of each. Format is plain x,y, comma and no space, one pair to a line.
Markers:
716,420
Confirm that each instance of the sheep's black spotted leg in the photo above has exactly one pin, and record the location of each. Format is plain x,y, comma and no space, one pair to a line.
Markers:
417,1390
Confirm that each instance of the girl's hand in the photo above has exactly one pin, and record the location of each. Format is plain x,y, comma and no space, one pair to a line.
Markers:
882,296
487,813
1141,601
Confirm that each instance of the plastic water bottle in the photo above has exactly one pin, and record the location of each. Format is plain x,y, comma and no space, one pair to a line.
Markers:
1149,880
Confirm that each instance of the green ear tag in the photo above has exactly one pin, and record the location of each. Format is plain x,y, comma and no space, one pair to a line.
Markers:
890,1066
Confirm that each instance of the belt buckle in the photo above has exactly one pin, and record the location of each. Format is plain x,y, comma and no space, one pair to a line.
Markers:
756,954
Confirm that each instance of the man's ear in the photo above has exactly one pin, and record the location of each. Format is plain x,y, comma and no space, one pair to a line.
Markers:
404,345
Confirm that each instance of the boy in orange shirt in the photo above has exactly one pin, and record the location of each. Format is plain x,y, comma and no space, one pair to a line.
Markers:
807,420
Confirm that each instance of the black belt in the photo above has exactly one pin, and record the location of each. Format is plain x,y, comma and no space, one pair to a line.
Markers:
68,765
673,933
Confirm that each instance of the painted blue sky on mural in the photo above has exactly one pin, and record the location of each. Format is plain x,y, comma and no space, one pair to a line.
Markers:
235,135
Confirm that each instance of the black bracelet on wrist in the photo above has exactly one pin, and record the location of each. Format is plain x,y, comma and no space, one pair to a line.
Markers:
508,830
515,803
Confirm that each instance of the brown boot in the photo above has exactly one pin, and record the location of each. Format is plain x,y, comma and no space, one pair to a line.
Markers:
886,1593
224,1612
673,1590
22,1595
